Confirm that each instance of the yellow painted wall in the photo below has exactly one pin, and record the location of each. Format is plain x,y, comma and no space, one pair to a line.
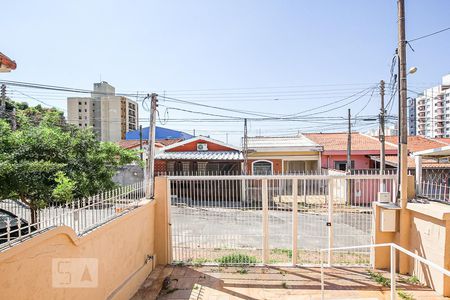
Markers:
120,246
430,238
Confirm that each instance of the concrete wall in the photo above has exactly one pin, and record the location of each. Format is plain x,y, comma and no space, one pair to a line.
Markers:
430,238
426,230
120,247
361,162
129,174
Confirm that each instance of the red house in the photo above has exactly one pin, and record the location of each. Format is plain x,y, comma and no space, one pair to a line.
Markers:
199,155
334,155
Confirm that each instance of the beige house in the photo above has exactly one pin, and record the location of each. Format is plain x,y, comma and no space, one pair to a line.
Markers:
109,115
283,155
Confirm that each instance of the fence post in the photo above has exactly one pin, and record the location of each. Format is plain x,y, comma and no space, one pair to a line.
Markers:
294,220
393,287
265,221
330,220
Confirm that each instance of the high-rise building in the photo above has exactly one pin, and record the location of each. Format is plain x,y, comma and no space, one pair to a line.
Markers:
110,116
433,111
412,117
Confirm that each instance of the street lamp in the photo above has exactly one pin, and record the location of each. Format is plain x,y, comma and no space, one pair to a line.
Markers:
412,70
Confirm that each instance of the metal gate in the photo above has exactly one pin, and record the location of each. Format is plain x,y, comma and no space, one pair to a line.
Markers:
281,219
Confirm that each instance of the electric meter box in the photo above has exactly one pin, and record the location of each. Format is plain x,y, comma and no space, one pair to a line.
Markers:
388,220
384,197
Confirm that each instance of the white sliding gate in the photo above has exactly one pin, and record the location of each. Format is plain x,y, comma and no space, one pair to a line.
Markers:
281,219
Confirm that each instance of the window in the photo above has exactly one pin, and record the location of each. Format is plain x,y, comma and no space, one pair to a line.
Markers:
79,124
79,117
262,167
85,103
342,165
79,110
85,110
79,103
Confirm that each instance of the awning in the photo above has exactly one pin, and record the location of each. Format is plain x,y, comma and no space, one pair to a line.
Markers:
201,155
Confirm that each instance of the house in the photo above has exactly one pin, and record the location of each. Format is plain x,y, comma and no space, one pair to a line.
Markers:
283,155
334,155
6,63
199,155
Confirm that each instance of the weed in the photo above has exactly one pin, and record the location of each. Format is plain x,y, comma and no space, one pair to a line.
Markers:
405,296
179,263
237,258
379,278
284,285
242,271
412,280
283,251
198,262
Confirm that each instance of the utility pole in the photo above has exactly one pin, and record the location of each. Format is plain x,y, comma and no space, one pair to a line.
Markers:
245,148
151,147
2,100
382,130
403,130
140,142
382,137
349,142
13,119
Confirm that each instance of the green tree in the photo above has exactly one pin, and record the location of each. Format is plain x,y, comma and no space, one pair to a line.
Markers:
52,163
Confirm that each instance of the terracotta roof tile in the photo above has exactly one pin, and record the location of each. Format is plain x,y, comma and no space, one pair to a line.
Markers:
338,141
426,163
418,143
167,142
6,63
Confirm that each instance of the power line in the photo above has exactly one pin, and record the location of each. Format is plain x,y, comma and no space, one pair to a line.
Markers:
428,35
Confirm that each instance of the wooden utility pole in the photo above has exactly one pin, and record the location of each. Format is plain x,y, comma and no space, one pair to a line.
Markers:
245,149
140,142
403,130
404,228
151,147
382,131
349,142
382,138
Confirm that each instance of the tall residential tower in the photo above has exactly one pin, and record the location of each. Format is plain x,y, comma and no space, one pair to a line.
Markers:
433,110
110,116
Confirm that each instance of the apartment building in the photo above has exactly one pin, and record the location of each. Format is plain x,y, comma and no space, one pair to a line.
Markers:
110,116
412,111
433,111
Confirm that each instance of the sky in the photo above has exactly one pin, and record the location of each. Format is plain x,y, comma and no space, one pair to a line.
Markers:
272,58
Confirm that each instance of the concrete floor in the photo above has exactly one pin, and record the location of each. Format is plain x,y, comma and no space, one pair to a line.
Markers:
226,283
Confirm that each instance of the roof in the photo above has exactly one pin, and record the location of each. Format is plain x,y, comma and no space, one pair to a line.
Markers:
264,143
134,144
168,142
338,141
443,140
201,155
200,138
6,64
418,143
435,152
160,132
426,163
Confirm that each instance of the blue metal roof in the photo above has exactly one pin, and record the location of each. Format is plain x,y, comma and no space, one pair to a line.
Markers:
161,133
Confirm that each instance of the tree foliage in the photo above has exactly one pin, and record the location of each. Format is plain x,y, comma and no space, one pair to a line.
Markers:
45,161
